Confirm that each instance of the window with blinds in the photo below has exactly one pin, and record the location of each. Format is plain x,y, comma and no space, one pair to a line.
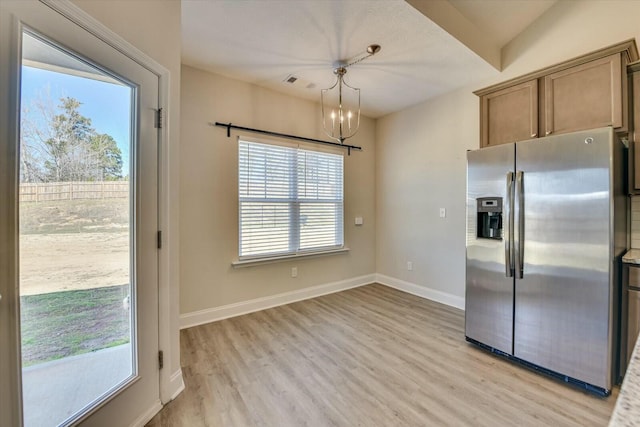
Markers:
291,200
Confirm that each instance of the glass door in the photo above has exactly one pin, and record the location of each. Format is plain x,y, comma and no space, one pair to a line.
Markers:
75,227
86,196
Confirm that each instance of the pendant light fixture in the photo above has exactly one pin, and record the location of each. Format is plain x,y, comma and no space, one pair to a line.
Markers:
341,102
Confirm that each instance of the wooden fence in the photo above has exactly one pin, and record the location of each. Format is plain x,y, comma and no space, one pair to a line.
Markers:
50,191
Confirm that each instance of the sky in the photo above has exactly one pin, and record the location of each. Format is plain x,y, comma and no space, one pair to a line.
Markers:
107,105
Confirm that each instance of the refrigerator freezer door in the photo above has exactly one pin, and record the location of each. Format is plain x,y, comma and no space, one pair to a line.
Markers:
489,290
563,301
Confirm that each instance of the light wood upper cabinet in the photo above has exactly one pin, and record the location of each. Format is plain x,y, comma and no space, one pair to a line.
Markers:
634,135
510,114
636,105
584,97
583,93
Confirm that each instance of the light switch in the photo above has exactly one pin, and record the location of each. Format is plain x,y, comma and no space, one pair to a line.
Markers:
443,212
359,220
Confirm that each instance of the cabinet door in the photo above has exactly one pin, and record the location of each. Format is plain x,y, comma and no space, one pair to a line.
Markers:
633,321
584,97
636,127
636,106
509,115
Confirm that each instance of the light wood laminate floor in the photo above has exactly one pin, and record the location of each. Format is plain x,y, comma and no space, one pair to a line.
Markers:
369,356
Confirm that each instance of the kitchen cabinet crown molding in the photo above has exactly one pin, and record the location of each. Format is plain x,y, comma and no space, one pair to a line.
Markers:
629,47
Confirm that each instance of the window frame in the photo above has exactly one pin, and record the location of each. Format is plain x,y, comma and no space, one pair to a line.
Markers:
294,202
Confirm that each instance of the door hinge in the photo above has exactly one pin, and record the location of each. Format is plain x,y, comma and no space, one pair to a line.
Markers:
158,123
159,239
161,359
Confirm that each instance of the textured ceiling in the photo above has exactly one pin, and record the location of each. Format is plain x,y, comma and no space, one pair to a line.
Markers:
502,19
265,41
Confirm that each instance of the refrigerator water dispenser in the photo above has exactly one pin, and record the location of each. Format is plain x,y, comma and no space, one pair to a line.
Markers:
490,217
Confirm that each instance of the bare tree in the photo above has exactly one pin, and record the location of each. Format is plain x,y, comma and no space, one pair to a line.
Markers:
59,144
34,131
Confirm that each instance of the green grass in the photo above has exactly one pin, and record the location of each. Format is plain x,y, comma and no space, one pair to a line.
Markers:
62,324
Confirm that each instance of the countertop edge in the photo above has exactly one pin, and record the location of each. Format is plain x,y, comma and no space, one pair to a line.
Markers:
632,256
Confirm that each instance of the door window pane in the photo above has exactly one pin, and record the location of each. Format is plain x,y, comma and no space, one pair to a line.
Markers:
75,209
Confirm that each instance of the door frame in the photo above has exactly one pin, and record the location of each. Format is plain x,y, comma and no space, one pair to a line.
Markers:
171,383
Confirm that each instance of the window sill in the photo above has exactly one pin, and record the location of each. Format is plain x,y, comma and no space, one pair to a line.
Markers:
270,260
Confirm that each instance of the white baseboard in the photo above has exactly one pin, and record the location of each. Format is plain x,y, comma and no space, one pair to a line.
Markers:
176,384
421,291
143,419
196,318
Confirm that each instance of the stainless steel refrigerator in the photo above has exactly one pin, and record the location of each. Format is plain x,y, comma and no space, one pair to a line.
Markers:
546,230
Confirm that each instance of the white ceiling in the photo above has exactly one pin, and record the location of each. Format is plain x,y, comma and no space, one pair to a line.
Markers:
502,20
265,41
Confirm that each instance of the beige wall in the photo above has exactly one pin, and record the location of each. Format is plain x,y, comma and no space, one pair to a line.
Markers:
571,28
154,28
209,198
421,160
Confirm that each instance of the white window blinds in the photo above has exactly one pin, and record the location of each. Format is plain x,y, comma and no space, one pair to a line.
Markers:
291,200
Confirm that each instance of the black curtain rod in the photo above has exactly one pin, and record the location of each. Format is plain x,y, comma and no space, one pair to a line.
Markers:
229,126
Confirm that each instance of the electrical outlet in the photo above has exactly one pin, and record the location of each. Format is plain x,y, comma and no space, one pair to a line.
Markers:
294,271
443,212
409,266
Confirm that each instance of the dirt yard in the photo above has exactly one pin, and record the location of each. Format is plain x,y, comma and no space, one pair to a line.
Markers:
72,245
63,262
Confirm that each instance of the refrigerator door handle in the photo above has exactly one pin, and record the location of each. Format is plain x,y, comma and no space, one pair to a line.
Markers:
508,230
519,225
